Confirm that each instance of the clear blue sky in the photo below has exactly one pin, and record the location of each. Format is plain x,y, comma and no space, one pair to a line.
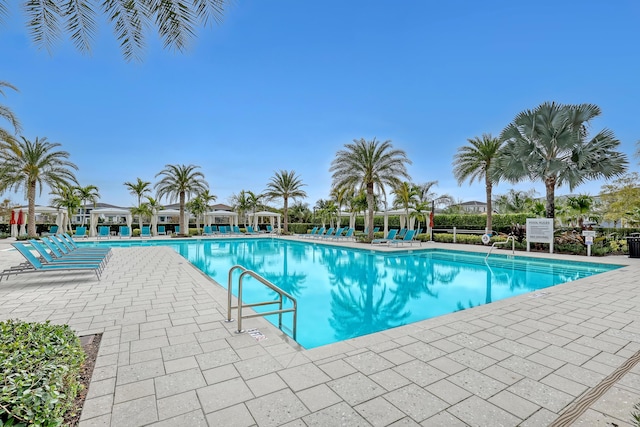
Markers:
285,84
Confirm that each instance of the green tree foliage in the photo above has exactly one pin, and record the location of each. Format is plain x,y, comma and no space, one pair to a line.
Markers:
89,193
621,199
6,137
180,182
285,185
551,144
29,165
475,161
369,166
66,197
174,20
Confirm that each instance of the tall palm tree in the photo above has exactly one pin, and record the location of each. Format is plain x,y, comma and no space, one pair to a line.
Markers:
254,202
551,144
31,164
339,197
90,193
139,189
581,206
369,165
175,21
285,185
475,161
240,203
6,137
197,207
180,182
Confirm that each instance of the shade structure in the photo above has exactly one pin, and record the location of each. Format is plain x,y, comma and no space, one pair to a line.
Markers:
255,216
96,213
212,215
48,210
405,220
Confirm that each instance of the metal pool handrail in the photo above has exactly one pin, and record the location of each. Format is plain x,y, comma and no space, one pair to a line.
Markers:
268,284
513,246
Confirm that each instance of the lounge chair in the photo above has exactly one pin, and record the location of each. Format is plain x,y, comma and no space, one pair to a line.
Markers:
390,236
125,231
162,230
145,232
81,232
65,244
250,230
104,232
330,234
313,232
34,265
52,230
57,258
236,230
401,233
407,239
271,230
348,236
376,229
206,230
322,232
176,229
224,230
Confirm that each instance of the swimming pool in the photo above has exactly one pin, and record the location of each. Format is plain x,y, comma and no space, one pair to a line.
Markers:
344,293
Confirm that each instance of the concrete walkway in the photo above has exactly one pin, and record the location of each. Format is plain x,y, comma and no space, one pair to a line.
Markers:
565,356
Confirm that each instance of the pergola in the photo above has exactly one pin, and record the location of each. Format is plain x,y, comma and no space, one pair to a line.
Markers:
405,220
264,214
212,215
95,213
61,217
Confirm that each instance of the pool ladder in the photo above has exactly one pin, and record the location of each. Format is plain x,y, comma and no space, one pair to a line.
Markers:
513,246
269,285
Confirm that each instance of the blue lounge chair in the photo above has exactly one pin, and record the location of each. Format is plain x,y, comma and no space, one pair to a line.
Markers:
401,233
104,232
66,244
348,236
52,258
270,229
224,230
162,230
407,239
81,232
206,231
176,229
250,230
330,234
34,265
125,231
390,236
60,251
376,229
312,233
322,232
236,230
145,232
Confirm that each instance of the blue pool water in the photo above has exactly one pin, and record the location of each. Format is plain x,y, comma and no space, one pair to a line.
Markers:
344,293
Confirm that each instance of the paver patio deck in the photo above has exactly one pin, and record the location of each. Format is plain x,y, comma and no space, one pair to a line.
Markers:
565,356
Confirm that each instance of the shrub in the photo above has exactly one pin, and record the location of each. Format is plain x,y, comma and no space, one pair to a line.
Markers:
40,363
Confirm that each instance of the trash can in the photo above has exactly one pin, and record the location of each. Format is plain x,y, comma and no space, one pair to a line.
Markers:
634,247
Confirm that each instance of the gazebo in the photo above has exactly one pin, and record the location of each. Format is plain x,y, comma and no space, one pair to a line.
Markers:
96,213
212,215
405,221
255,216
60,214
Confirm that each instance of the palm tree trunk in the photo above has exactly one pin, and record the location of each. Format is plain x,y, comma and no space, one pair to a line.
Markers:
489,189
370,208
286,216
31,213
550,185
181,221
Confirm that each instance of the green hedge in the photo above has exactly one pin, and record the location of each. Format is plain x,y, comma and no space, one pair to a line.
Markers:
40,365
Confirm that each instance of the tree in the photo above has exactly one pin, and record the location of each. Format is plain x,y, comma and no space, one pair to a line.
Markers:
406,196
581,206
369,165
65,196
139,189
197,207
240,203
175,21
180,182
90,193
285,185
475,161
551,144
6,138
621,198
29,165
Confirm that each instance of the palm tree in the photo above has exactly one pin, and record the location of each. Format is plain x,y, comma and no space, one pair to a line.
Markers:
174,20
285,185
369,165
475,161
180,182
153,207
254,202
241,205
139,189
32,164
197,207
90,193
406,197
550,143
6,137
66,197
581,206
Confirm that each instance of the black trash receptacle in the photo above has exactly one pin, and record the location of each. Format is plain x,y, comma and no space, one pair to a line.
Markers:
634,247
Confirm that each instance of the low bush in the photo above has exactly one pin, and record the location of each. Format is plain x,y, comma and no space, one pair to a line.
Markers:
40,365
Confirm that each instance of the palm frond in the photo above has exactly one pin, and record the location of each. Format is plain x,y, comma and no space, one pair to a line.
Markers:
175,21
128,18
43,22
81,24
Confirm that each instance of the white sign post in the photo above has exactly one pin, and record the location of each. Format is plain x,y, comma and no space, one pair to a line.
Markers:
540,230
588,239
